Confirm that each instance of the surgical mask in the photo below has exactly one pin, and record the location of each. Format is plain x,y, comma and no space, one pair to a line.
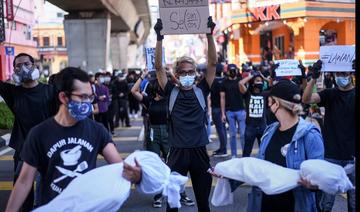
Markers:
79,110
342,81
107,79
26,74
259,86
101,80
187,80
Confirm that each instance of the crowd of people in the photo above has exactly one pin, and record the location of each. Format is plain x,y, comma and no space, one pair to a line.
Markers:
178,106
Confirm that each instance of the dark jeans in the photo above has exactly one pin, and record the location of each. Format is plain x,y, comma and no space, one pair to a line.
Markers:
252,132
220,128
28,204
197,162
123,113
113,109
146,124
327,200
158,140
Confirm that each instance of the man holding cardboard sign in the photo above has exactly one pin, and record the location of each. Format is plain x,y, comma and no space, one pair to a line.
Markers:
339,124
187,117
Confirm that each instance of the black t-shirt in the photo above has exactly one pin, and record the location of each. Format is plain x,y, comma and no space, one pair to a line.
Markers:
30,107
157,110
187,120
233,98
215,92
63,154
284,201
256,104
339,123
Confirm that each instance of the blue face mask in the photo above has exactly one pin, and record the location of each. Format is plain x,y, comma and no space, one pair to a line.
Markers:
79,110
187,81
342,81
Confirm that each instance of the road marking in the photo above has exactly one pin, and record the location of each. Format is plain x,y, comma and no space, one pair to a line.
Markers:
3,152
132,138
6,185
129,128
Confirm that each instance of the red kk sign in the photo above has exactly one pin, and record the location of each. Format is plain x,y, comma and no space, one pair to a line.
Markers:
265,13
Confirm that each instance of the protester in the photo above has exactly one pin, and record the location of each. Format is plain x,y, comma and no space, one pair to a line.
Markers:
255,110
156,105
287,143
133,103
187,117
103,99
113,103
216,112
123,113
339,126
31,102
71,148
233,108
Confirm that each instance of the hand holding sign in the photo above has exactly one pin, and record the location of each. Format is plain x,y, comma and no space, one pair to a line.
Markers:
316,67
158,27
211,25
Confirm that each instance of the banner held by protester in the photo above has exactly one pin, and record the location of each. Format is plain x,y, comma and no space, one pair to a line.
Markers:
337,58
287,68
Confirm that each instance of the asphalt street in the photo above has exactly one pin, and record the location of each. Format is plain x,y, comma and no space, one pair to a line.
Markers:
127,141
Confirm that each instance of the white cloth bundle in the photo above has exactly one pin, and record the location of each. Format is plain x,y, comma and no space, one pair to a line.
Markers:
330,177
104,188
269,177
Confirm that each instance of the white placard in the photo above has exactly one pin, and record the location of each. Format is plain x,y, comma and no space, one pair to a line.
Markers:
287,67
150,58
184,16
337,58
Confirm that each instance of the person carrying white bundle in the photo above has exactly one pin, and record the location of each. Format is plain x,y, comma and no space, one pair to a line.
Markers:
110,190
287,143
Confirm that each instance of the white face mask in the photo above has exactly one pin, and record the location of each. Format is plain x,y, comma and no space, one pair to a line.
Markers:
187,81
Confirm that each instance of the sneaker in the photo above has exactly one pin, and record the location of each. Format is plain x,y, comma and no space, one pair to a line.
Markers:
220,154
157,203
186,200
233,156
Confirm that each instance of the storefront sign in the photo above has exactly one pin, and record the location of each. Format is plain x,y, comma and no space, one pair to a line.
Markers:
266,13
264,3
287,68
337,58
9,10
9,50
184,17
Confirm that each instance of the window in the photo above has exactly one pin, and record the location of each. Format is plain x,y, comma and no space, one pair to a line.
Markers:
60,15
36,39
279,43
59,41
46,41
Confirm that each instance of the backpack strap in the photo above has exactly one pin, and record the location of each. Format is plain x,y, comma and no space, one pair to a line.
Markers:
200,96
173,95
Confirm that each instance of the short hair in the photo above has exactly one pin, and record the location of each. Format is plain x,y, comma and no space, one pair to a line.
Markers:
184,59
98,74
64,80
23,55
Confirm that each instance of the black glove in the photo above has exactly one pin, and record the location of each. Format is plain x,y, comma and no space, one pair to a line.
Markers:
353,64
158,27
272,69
316,67
302,68
211,25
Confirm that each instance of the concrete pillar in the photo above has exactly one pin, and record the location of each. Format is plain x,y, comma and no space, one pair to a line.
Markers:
88,42
119,43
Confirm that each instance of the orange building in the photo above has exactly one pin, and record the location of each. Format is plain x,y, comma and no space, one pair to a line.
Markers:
290,28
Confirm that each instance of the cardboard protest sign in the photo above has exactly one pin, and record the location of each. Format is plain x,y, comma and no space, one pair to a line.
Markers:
150,58
337,58
287,67
184,16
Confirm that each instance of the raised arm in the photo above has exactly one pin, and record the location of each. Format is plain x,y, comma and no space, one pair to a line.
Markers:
135,90
212,59
309,97
242,83
160,71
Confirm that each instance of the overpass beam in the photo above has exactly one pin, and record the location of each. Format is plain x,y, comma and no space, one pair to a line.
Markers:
88,40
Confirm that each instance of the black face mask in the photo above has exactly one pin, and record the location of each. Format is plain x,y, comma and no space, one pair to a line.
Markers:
258,86
232,73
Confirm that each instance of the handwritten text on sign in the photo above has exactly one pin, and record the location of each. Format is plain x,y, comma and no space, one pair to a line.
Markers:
337,58
184,16
287,68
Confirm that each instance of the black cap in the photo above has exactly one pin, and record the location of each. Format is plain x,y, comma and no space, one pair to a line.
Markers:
286,90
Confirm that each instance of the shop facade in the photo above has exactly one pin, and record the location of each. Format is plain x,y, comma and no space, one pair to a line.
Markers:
288,29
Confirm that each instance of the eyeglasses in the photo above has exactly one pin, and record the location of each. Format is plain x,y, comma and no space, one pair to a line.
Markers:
187,72
84,97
